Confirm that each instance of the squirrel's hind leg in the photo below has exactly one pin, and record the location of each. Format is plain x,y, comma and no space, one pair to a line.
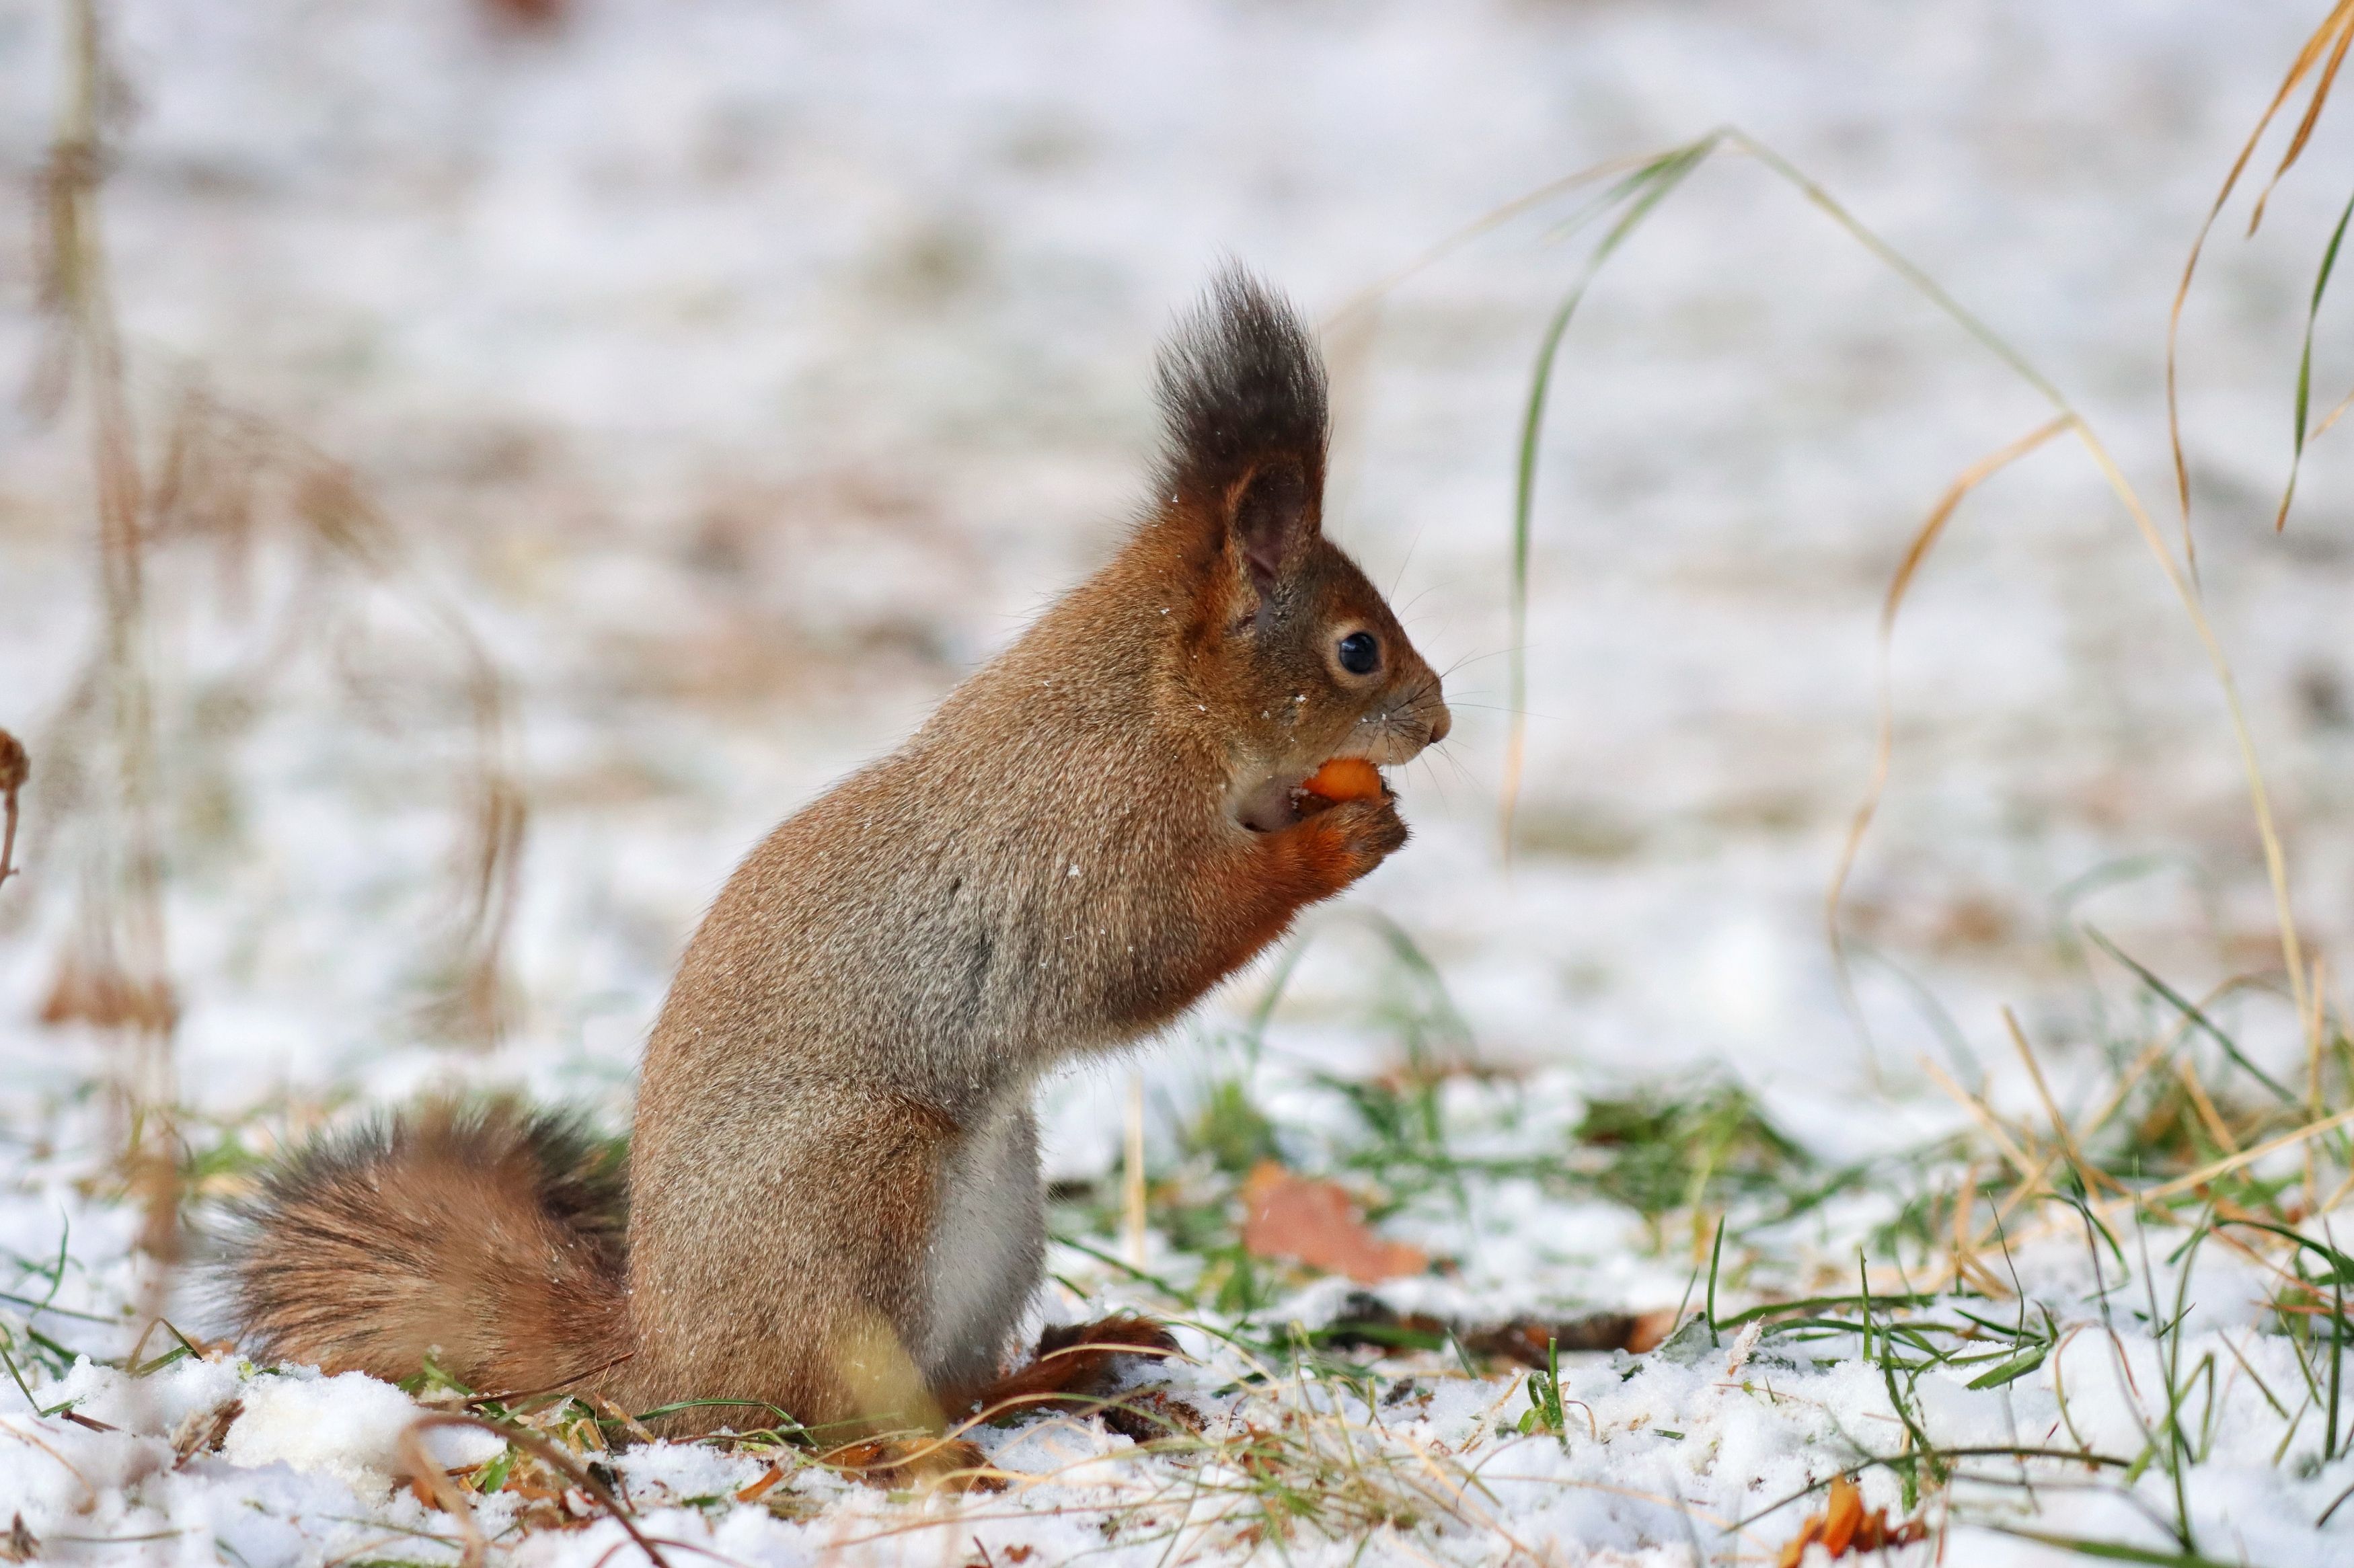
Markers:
987,1246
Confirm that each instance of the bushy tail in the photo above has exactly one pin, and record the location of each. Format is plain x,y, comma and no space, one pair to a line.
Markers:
485,1237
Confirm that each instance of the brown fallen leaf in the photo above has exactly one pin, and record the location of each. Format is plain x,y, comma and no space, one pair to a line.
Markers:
1844,1527
1286,1216
1842,1516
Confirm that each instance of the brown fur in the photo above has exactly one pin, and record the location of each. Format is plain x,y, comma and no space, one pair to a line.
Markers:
486,1239
835,1200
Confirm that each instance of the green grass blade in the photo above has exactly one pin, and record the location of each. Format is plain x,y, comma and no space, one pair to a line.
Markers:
2114,1552
1715,1260
2340,1266
27,1301
2012,1371
2189,1010
2305,363
1640,194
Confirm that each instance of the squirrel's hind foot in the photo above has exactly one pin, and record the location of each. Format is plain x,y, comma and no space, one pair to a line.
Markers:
926,1464
1075,1366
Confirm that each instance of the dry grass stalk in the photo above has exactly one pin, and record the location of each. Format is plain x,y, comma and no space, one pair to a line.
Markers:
1925,539
2061,1134
435,1489
2069,1142
474,1007
477,1008
225,480
2327,47
116,976
14,768
532,1443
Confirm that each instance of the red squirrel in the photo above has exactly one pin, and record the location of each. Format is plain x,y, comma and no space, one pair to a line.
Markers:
832,1206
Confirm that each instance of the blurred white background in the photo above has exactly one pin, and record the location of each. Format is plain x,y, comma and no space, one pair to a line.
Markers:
745,372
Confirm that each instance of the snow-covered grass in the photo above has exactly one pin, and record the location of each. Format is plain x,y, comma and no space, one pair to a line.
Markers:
636,420
2108,1346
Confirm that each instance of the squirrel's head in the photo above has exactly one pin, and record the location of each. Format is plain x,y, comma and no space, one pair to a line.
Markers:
1293,652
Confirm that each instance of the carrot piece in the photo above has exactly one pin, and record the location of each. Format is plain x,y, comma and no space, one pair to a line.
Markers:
1344,779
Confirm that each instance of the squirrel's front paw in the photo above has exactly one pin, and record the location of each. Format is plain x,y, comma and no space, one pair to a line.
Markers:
1362,833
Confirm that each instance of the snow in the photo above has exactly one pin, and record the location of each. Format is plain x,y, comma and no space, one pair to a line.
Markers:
348,1427
742,374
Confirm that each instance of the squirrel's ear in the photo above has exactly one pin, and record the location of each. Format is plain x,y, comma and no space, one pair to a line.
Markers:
1270,519
1241,388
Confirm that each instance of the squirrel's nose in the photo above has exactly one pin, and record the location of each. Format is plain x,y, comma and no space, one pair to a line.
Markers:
1440,723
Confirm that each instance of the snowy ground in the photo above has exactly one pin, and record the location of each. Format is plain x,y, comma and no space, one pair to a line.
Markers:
742,374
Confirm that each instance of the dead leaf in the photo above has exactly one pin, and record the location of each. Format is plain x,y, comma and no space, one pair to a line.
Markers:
1841,1515
1844,1527
20,1545
1363,1319
1317,1222
1533,1341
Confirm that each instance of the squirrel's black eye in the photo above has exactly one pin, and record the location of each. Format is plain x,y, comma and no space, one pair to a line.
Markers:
1361,653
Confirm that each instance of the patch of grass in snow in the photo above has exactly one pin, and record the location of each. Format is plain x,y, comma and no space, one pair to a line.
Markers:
1661,1151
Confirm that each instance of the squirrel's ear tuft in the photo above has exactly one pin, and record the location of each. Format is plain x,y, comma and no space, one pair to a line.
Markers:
1242,389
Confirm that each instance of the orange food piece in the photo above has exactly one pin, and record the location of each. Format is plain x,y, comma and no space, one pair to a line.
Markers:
1344,779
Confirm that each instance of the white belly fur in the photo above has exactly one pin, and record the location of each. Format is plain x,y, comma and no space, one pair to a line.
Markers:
988,1245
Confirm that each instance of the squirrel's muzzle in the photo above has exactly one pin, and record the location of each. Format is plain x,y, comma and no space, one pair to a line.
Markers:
1398,730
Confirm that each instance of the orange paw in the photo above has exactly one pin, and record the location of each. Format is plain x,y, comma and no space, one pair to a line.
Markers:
1346,841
